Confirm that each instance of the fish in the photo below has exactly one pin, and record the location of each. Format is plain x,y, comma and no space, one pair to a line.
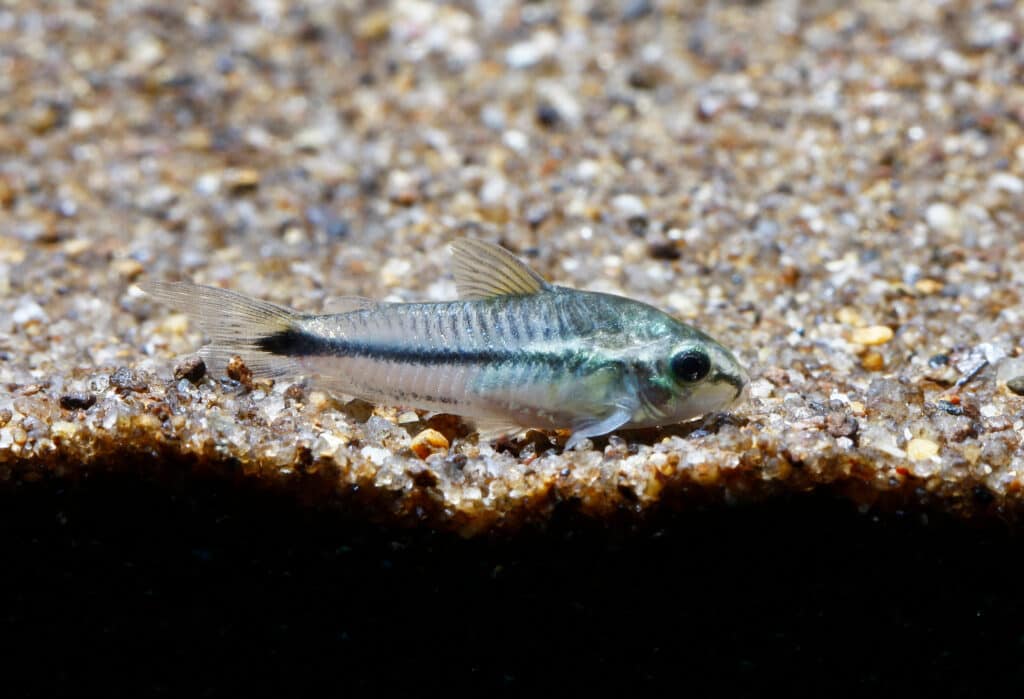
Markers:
513,352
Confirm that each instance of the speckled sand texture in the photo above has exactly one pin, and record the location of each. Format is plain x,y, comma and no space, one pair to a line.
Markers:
833,190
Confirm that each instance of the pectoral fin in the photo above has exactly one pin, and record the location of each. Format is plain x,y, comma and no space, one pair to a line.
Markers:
598,425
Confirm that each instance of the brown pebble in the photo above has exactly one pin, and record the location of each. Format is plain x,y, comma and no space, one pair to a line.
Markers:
428,442
374,25
42,117
192,368
296,392
242,181
238,371
124,380
665,250
1016,385
423,477
77,401
928,286
5,416
849,316
405,197
872,335
841,425
197,139
873,361
644,78
6,193
451,426
789,275
776,375
127,268
705,474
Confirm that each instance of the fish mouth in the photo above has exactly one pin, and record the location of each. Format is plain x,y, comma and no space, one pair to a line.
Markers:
738,381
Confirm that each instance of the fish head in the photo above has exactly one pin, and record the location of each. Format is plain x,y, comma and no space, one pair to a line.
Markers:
686,375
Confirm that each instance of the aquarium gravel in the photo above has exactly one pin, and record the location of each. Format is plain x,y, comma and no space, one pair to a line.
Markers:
835,191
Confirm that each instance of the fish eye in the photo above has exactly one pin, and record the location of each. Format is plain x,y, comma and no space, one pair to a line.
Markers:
691,365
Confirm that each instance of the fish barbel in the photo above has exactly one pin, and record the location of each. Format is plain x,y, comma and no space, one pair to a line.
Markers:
513,352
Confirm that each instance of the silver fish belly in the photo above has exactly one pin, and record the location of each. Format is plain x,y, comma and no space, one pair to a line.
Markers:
514,352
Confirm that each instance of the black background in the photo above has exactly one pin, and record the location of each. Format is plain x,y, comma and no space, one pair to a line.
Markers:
207,588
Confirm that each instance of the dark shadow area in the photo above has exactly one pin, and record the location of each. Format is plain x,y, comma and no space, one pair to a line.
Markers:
119,587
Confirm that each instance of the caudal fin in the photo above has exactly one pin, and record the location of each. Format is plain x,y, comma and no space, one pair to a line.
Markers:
235,324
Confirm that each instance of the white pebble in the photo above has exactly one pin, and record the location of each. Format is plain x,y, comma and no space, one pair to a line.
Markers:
881,439
1005,182
683,304
993,353
395,271
588,169
493,190
532,51
516,140
990,410
1010,368
208,183
954,63
28,310
110,419
942,217
627,205
761,388
377,455
562,100
925,468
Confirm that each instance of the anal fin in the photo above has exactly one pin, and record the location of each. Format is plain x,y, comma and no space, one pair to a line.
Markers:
493,430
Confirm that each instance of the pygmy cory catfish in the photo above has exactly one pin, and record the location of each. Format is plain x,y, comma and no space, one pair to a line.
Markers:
513,352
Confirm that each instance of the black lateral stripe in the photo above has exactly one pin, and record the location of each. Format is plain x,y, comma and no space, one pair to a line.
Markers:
299,343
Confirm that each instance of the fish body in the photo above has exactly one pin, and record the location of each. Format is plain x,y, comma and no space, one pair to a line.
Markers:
513,352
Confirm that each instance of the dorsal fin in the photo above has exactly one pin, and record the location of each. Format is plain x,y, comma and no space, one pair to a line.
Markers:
483,270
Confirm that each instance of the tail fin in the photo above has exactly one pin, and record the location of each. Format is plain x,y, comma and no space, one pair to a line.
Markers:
235,324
